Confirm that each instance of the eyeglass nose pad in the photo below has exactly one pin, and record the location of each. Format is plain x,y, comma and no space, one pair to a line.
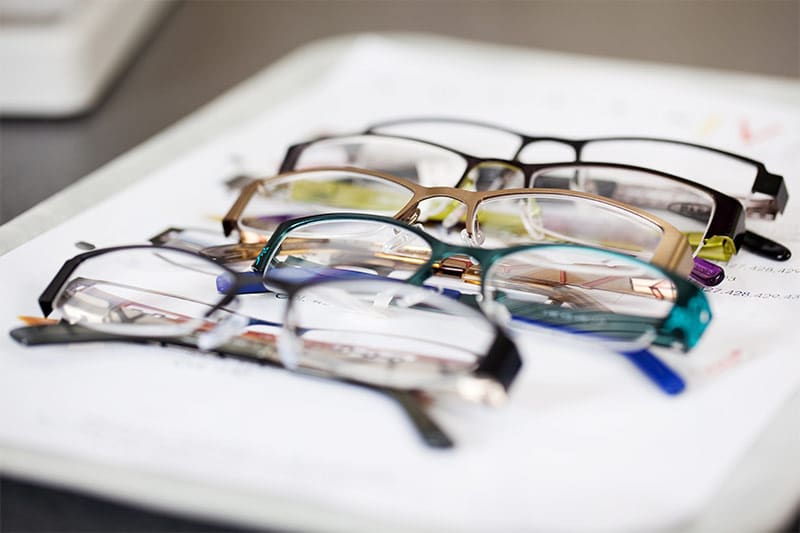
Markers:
412,218
473,239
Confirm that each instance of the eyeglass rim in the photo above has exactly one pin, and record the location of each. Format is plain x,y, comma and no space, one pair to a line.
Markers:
672,252
53,289
682,325
501,362
764,182
727,220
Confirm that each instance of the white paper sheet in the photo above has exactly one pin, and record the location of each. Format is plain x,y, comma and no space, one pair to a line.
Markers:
586,442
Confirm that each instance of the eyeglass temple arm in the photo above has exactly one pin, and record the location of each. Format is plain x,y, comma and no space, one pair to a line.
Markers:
64,333
231,220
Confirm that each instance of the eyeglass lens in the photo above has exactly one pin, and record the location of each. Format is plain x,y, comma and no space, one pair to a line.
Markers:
152,291
524,282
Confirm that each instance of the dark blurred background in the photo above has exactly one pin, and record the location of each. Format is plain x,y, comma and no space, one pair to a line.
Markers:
202,48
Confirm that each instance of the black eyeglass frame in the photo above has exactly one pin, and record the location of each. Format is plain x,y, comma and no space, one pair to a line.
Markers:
501,362
492,364
727,219
764,182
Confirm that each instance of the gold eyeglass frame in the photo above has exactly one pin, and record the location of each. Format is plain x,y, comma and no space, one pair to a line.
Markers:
672,252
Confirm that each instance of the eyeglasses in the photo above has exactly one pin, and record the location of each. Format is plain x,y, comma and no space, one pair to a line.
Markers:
376,333
763,193
489,219
712,220
578,288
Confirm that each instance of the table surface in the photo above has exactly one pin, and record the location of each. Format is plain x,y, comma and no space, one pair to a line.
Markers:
205,48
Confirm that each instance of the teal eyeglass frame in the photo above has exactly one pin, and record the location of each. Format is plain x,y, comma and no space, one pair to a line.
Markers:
683,326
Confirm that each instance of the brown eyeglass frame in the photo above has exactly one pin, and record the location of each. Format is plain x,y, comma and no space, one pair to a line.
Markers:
672,252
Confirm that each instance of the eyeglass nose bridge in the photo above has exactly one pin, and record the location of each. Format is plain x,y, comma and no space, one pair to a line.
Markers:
469,199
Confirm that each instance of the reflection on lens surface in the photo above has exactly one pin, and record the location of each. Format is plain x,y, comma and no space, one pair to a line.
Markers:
534,284
530,219
386,332
702,166
335,249
141,291
685,207
409,159
317,192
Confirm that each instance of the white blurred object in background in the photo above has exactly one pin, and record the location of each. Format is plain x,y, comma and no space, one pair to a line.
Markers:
57,56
